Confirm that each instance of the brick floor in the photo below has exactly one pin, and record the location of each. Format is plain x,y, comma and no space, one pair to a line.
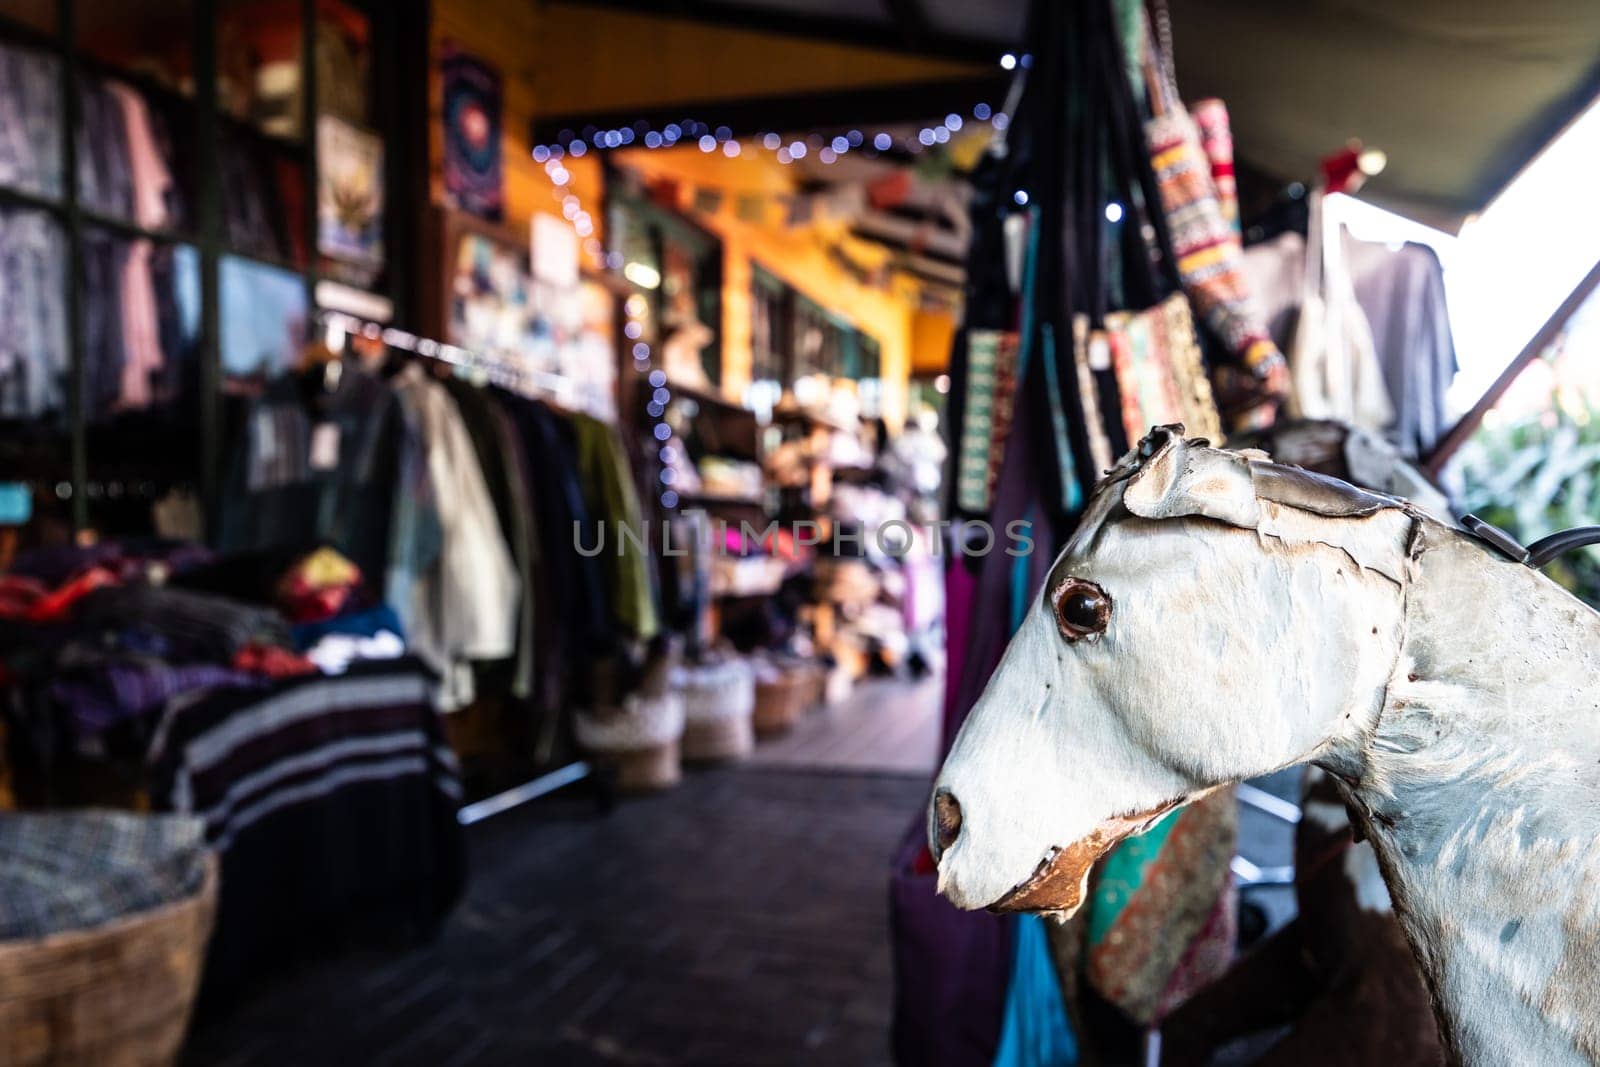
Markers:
884,725
739,919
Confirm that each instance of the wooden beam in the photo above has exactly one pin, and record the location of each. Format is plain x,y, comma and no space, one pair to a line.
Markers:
795,112
866,32
1546,335
911,21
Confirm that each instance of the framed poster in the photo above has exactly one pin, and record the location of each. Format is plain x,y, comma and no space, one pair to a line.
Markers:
349,193
472,164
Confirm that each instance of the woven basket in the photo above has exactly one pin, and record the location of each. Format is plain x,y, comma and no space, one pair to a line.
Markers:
638,740
117,995
645,770
718,702
783,696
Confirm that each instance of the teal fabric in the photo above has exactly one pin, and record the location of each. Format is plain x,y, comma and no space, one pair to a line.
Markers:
1122,873
1071,491
1035,1031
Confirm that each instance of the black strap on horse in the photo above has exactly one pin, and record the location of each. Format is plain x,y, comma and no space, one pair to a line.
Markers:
1541,552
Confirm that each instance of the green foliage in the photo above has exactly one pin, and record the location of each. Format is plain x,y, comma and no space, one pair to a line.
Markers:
1537,476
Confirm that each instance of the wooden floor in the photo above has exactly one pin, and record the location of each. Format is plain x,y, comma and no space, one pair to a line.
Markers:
885,726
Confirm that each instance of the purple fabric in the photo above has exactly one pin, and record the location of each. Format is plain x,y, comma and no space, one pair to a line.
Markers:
959,586
116,692
951,969
55,564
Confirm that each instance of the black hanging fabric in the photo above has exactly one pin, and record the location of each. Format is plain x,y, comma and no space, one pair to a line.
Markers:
1074,143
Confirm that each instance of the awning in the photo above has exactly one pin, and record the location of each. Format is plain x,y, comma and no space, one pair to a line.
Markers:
1460,94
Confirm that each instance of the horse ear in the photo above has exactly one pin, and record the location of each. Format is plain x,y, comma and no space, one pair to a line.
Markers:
1180,478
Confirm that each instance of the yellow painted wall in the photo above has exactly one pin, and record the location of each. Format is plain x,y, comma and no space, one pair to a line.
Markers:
932,334
798,256
556,58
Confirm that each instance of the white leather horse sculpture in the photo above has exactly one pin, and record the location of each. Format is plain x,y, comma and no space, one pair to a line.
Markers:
1216,617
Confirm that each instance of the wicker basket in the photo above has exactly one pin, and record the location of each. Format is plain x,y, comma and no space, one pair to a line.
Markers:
645,770
117,995
638,740
783,693
718,702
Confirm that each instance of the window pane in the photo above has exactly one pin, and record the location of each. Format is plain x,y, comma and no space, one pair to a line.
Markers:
263,198
264,322
141,380
147,40
30,121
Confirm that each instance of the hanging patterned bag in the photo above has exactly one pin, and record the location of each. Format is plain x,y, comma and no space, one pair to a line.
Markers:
1252,382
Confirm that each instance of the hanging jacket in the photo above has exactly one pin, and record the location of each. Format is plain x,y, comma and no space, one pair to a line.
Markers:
612,499
464,606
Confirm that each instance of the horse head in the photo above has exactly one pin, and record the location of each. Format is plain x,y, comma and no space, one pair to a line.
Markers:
1214,617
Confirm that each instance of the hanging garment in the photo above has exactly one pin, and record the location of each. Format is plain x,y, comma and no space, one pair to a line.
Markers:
1036,1031
990,383
464,606
343,467
569,582
1332,361
105,179
1276,268
1402,292
150,181
610,494
33,328
499,452
142,358
104,258
30,121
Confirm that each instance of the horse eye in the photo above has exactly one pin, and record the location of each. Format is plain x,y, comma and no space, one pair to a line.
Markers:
1082,609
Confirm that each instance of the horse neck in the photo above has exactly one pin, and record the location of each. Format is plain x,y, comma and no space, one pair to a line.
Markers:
1481,792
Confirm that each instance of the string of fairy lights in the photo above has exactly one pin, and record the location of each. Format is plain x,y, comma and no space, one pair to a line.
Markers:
828,149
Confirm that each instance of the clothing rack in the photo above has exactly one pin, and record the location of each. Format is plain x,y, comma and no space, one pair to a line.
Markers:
526,380
529,381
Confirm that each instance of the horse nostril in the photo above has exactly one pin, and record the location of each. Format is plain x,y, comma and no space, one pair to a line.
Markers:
946,819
